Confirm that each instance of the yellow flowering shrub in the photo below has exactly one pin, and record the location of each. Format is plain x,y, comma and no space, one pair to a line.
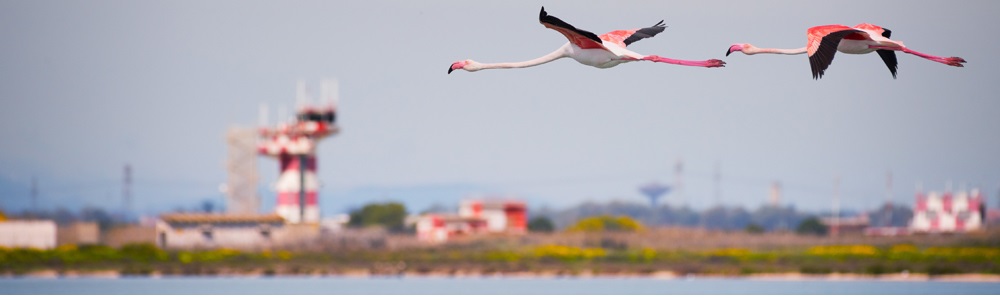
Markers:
568,253
843,250
606,223
903,248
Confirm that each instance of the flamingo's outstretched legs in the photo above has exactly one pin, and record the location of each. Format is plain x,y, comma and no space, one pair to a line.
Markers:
951,61
711,63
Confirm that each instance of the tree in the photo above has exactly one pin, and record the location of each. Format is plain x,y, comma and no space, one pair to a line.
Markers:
811,225
207,206
541,224
754,228
720,217
889,215
92,214
389,215
606,223
776,218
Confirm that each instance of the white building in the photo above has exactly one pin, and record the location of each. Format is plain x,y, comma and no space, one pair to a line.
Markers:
194,231
38,234
438,228
78,233
947,212
501,215
475,216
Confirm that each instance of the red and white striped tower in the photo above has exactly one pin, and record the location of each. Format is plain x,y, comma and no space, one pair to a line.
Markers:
294,145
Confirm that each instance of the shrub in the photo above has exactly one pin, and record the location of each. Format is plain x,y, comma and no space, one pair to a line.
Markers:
503,256
903,252
843,250
389,215
606,223
567,253
541,224
811,225
876,269
753,228
144,252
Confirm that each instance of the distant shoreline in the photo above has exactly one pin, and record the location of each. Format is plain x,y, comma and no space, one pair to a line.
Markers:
664,275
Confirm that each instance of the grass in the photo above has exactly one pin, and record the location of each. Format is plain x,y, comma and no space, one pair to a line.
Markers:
144,259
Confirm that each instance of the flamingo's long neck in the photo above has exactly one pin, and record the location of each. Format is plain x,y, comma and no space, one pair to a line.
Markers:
776,51
559,53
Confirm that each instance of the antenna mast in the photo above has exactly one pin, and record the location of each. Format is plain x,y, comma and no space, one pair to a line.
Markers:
127,190
34,194
835,229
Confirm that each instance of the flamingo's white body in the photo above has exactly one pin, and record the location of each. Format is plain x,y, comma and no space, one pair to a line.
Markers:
605,51
825,41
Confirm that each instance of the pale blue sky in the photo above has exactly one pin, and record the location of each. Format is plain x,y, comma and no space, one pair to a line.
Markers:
86,86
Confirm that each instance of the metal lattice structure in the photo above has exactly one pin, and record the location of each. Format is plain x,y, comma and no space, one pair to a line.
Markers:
241,165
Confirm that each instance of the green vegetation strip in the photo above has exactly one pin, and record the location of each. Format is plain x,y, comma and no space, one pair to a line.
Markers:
143,259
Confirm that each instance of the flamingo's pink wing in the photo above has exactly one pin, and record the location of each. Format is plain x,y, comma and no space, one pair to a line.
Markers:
623,38
581,38
618,37
874,28
823,43
816,35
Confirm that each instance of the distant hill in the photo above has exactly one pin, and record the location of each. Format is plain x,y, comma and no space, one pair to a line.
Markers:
769,217
416,198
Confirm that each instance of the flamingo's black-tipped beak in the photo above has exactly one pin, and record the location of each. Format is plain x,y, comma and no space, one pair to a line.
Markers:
457,65
734,48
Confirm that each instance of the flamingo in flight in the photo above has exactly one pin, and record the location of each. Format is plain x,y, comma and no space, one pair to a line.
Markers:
825,41
605,51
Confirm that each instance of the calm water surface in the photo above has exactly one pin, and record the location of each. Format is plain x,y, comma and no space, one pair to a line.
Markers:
409,285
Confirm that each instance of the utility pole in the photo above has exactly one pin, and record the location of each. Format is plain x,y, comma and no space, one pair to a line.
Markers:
34,194
679,184
835,229
127,190
888,198
717,179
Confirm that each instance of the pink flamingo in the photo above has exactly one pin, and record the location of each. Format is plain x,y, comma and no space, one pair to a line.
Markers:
603,51
826,40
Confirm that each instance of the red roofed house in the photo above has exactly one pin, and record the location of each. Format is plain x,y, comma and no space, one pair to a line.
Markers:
475,216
